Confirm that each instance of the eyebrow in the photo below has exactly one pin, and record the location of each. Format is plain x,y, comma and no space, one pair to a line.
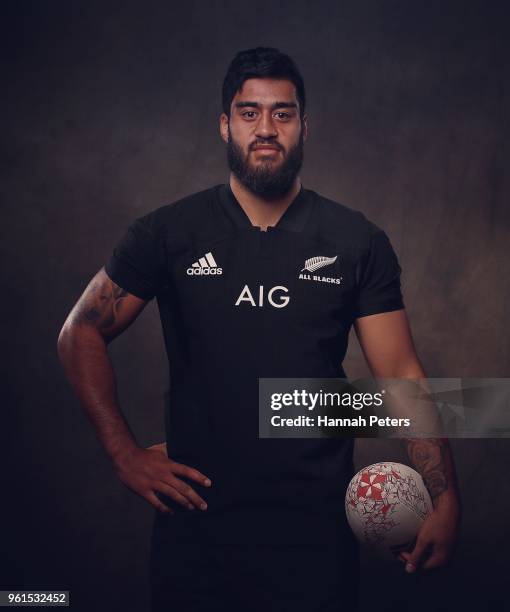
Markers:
273,106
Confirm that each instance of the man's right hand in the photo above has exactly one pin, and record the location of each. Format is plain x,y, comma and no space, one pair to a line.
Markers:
147,470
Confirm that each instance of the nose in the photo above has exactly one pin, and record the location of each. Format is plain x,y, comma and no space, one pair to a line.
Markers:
265,127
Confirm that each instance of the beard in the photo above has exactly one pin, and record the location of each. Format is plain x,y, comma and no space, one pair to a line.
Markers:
265,179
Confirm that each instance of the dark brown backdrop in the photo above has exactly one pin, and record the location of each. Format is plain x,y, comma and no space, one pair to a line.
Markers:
111,110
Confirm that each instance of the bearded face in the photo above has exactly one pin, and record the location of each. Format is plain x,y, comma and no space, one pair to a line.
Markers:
271,175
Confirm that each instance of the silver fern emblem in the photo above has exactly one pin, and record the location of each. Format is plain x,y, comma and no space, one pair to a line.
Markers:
314,263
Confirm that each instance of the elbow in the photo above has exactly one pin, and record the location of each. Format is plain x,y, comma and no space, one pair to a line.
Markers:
408,368
74,336
63,340
68,337
61,336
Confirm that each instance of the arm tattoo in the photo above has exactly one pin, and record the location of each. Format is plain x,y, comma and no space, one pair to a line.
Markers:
428,457
101,304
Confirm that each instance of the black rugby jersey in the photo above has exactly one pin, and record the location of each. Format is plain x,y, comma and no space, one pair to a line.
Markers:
238,304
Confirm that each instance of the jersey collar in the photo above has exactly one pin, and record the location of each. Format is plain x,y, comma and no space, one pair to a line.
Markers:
293,219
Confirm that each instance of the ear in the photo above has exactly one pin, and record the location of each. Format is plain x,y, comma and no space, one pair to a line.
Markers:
224,127
304,122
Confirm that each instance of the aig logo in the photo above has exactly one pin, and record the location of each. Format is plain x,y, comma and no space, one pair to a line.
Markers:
278,301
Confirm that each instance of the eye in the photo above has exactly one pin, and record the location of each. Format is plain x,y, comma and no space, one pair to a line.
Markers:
283,115
248,114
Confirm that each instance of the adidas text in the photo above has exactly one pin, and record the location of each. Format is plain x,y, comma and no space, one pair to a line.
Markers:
204,271
205,266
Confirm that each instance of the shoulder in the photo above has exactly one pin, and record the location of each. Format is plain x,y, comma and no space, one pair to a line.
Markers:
190,211
345,226
339,221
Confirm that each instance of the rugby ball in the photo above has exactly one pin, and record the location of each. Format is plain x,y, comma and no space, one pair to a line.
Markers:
386,503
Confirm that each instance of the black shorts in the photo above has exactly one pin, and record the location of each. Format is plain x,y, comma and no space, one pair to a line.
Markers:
194,572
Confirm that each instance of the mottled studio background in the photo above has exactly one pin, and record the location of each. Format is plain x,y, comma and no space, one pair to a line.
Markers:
110,110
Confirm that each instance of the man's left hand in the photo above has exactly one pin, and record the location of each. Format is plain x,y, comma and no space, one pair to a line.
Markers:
435,541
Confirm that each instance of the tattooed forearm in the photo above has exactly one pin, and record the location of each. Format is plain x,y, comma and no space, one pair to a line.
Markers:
428,457
100,305
103,311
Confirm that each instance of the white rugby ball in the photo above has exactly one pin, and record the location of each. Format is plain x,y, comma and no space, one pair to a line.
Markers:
386,503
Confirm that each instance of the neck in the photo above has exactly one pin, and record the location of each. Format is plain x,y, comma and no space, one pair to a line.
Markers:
261,212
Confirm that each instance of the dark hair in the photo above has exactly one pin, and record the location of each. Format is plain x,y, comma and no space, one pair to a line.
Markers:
261,62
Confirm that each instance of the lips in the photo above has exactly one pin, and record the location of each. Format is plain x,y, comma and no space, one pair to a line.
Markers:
265,148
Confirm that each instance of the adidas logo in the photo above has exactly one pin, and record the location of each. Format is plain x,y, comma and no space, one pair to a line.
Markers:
206,265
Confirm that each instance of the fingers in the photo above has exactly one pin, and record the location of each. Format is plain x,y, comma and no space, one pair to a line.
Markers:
149,472
414,558
152,498
189,500
182,492
426,555
402,554
191,473
173,493
436,559
161,448
405,558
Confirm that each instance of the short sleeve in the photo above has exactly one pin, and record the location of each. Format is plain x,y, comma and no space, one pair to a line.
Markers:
135,262
378,275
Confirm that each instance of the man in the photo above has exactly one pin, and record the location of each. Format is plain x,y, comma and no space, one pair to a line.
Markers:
245,523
